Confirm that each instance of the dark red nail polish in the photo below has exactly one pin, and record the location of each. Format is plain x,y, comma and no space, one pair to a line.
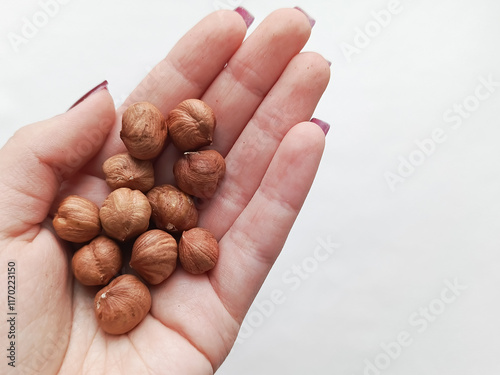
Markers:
99,87
312,21
323,125
247,16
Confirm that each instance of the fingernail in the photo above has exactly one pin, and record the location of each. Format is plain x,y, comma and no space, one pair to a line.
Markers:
323,125
312,21
99,87
247,16
329,63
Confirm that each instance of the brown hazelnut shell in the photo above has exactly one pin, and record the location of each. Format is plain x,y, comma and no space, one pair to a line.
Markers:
125,214
198,173
123,170
191,125
172,210
154,256
97,262
198,250
122,305
77,219
144,130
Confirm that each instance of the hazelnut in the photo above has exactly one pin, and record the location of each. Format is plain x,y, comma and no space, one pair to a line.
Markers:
198,250
77,219
191,125
198,173
123,170
154,256
125,213
122,305
97,262
144,131
173,210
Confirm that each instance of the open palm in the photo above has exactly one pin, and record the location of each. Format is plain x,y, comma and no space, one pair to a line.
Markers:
262,98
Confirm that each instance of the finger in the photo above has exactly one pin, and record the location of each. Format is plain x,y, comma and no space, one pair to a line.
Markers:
186,72
193,63
290,101
252,71
40,156
175,301
249,75
250,247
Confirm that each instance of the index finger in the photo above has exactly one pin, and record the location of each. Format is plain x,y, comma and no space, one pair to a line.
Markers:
186,72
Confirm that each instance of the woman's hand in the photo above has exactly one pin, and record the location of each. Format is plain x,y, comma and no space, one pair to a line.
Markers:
263,100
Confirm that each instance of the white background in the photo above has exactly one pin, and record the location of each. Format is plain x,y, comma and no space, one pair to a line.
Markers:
396,250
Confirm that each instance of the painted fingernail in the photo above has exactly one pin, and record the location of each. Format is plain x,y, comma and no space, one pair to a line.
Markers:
329,62
247,16
99,87
323,125
312,21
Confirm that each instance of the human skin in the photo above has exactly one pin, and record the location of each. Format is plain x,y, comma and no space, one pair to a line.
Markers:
263,100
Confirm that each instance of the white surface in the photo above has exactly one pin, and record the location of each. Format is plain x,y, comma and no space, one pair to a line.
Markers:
395,252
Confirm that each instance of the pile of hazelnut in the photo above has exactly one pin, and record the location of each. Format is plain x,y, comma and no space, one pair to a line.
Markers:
159,223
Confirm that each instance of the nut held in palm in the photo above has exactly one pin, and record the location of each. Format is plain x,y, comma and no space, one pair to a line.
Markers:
198,173
191,125
173,210
123,170
122,305
77,219
198,250
97,262
125,213
144,130
154,256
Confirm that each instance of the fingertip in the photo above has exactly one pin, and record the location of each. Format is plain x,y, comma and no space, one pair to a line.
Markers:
290,19
317,134
324,126
99,104
307,135
300,17
101,86
68,141
246,15
315,66
231,20
311,20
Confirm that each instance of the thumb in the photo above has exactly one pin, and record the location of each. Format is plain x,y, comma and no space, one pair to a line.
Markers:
35,161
